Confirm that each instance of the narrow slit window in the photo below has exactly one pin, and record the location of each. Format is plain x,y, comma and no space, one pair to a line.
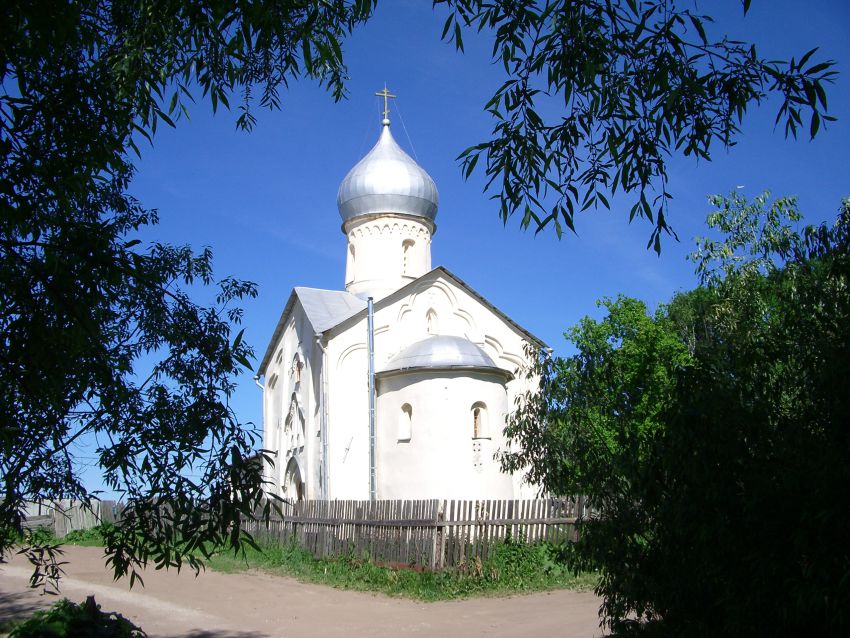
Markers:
406,250
297,365
480,428
405,423
431,321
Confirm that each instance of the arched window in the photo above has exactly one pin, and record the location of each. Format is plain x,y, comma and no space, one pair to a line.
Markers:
293,484
480,427
297,365
431,321
406,250
405,423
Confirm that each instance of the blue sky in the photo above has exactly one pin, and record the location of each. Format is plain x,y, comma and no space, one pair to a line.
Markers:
266,201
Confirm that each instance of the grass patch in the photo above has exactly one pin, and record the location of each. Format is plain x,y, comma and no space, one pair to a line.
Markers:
92,537
512,567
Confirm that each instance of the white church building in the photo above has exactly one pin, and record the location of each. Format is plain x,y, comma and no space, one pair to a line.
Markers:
397,386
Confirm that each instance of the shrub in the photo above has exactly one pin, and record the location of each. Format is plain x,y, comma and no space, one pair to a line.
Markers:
67,619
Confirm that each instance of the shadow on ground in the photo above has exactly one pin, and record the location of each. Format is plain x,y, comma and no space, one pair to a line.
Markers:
19,606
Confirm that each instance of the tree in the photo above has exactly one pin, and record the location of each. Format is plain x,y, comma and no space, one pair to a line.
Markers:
600,94
84,307
712,437
598,410
589,428
763,418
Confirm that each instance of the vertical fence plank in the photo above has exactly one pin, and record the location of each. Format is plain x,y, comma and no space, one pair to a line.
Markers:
487,537
448,534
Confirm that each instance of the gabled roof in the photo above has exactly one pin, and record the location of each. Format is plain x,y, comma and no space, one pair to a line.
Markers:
328,309
528,335
393,296
324,309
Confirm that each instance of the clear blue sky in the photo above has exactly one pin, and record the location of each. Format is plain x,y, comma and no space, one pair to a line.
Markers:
266,201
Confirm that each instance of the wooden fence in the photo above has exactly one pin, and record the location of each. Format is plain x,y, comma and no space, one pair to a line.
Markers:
65,516
428,534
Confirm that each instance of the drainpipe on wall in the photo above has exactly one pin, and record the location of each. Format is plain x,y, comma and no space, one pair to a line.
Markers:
326,491
370,344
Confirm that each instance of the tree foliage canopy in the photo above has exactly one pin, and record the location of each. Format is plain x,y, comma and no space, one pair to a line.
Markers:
599,95
713,436
84,307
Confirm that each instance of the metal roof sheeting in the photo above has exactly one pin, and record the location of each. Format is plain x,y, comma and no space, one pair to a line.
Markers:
327,308
442,352
324,309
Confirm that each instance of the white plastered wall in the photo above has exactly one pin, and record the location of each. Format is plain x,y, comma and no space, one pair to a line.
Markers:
348,423
291,411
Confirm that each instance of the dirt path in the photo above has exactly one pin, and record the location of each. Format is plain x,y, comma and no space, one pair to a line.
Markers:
216,605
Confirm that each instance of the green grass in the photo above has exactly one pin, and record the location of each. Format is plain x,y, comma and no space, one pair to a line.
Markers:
512,567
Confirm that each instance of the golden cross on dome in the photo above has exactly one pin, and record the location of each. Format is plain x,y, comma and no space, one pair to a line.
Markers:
386,95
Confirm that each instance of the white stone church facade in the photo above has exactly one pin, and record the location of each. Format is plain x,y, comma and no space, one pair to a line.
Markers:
445,360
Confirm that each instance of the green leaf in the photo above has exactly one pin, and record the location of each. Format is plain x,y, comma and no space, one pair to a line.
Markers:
698,26
470,165
243,361
817,68
458,39
446,26
815,125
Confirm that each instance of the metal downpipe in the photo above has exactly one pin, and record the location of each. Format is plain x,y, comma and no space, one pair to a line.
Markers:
370,344
326,489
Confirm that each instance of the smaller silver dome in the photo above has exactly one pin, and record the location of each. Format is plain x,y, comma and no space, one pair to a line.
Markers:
442,352
387,180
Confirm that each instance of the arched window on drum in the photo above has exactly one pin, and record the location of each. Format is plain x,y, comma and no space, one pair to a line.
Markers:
480,425
405,423
406,256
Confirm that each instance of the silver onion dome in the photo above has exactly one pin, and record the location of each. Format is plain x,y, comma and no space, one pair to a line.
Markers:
442,352
387,180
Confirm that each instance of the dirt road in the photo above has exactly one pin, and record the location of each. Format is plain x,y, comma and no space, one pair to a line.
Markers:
252,605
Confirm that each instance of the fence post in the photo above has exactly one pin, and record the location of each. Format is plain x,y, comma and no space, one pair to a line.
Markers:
579,517
439,559
295,513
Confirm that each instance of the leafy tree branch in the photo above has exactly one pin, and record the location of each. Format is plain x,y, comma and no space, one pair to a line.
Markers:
600,95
